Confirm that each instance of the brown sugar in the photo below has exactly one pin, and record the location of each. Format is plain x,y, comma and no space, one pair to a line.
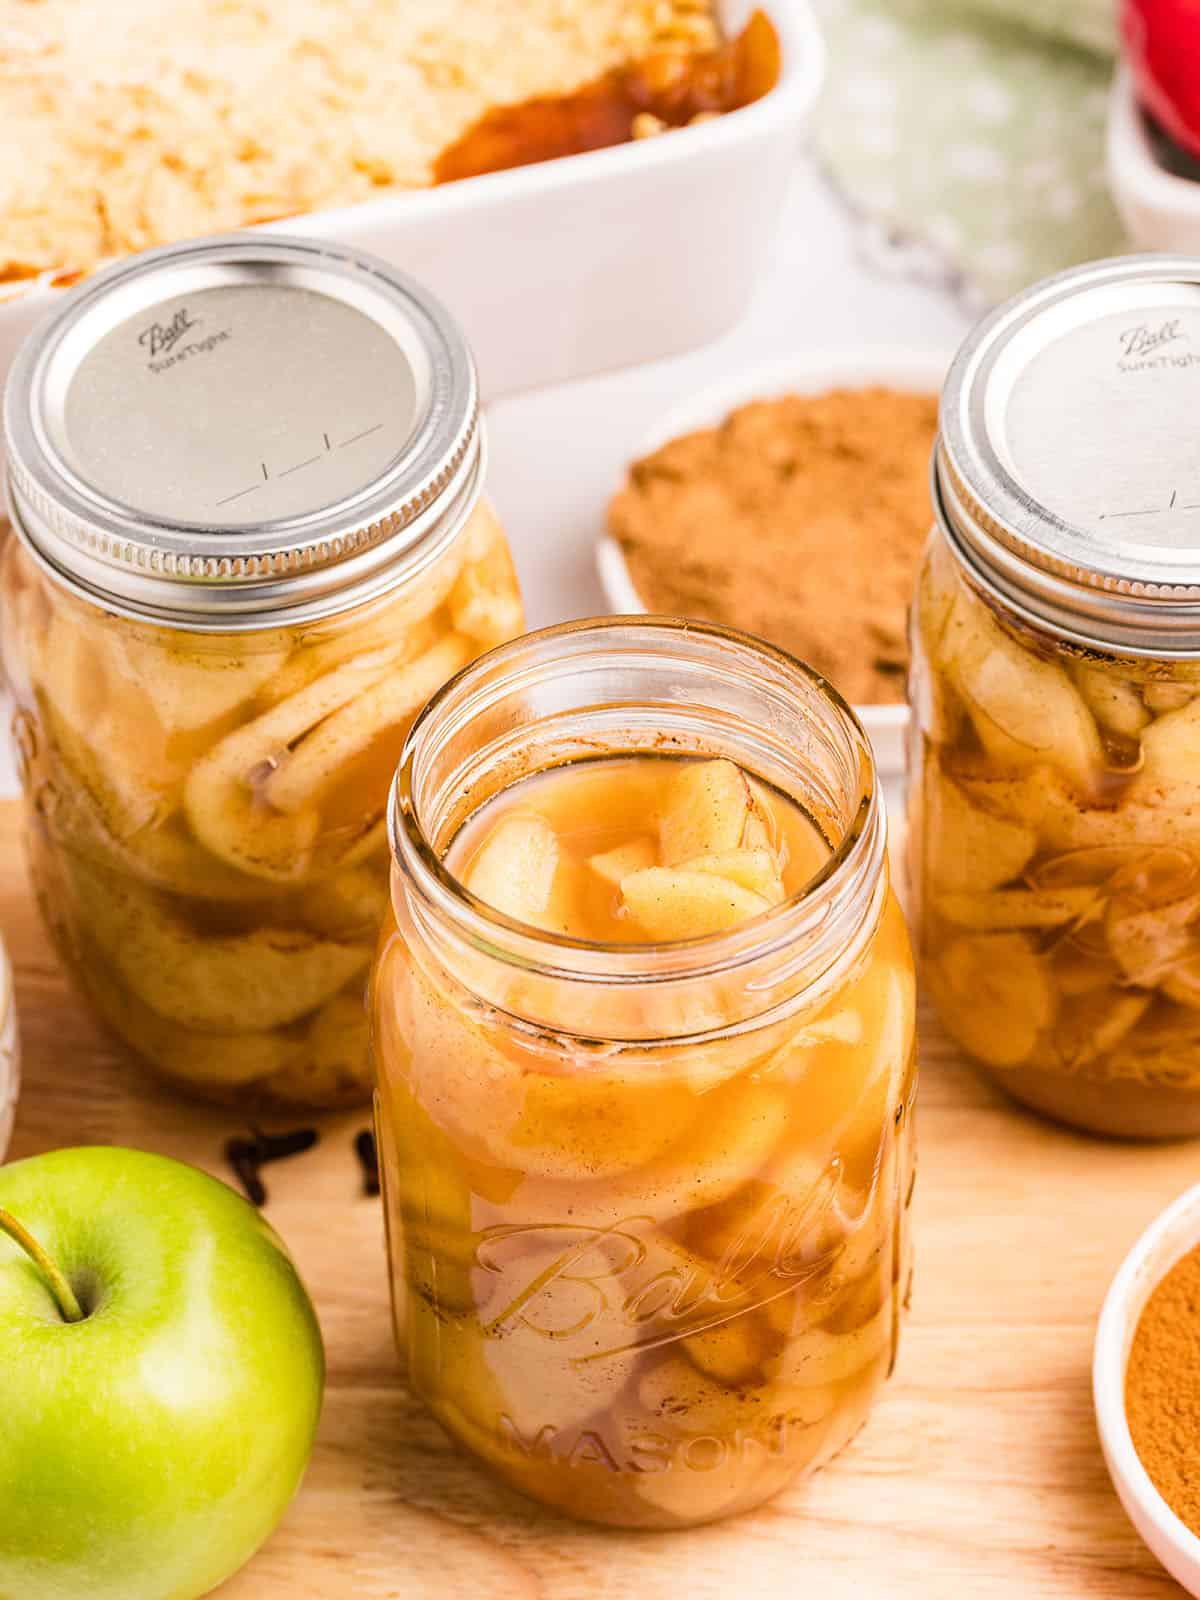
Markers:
801,519
1162,1389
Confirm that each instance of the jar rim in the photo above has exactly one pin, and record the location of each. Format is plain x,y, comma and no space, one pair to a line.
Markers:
857,857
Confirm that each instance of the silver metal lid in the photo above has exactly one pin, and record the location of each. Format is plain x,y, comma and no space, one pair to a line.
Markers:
1067,472
223,433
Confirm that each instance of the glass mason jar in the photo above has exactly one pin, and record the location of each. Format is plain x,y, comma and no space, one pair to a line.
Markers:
249,543
1055,765
647,1205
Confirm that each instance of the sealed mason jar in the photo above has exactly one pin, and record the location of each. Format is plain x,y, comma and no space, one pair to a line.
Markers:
1055,773
644,1041
248,543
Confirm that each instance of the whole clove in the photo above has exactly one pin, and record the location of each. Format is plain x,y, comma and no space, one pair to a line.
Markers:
247,1156
368,1158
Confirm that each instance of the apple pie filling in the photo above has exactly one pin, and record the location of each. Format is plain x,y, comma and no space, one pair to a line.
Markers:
648,1248
206,811
1056,835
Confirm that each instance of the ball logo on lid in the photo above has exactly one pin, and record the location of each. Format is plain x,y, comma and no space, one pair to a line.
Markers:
161,341
160,337
1142,346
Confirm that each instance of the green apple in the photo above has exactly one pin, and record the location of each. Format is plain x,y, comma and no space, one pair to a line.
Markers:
161,1373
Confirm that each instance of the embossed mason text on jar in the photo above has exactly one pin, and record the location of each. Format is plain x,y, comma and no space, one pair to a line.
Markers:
1055,771
643,1027
249,542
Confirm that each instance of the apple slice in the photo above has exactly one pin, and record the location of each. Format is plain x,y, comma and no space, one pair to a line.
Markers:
485,603
191,687
617,864
105,731
1170,772
1115,702
707,807
1085,1033
1149,942
224,795
307,770
993,995
1167,696
674,1387
349,905
211,1063
1000,909
513,870
968,849
675,903
329,1070
937,591
756,870
760,832
732,1353
1025,711
1183,983
248,982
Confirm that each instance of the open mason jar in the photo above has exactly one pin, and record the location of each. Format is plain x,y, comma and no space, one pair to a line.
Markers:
647,1197
1055,771
245,480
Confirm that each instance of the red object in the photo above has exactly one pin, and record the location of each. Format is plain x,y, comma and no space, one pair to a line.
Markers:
1161,39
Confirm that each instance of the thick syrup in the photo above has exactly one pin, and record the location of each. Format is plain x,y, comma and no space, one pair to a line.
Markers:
673,86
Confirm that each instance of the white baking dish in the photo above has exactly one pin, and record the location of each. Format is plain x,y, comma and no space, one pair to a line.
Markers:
921,370
594,262
1160,209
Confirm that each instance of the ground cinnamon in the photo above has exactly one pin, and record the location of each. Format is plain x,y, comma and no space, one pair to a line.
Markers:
801,519
1162,1389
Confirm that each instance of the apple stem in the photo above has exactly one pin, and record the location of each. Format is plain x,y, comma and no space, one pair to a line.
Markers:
62,1291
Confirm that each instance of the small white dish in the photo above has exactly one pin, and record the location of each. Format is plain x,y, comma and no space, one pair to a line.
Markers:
892,366
1160,210
1166,1241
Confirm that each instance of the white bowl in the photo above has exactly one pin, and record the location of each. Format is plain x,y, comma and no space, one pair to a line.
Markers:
1164,1242
1160,210
593,262
9,1054
891,366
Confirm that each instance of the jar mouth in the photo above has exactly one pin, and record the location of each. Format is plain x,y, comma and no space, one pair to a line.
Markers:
641,642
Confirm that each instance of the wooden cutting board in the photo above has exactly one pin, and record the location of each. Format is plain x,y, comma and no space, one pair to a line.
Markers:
978,1475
